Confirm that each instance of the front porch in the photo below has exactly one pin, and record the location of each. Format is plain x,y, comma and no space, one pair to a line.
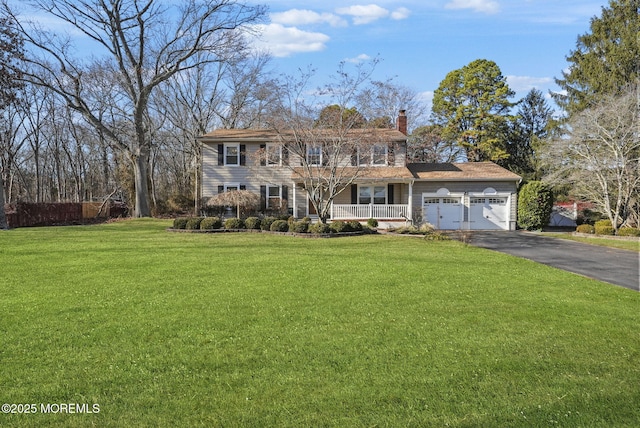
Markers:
363,212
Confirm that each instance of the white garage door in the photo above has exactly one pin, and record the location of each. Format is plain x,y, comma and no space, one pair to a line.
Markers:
443,212
486,213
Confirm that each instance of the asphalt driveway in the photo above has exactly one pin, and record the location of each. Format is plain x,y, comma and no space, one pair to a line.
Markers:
619,267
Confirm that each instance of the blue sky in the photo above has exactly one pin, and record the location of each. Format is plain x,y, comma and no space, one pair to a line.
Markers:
420,41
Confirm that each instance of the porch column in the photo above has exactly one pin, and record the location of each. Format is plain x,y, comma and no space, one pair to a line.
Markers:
410,201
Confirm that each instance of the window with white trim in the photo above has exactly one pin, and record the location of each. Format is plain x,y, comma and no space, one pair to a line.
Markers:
314,155
232,154
273,154
372,194
274,196
375,155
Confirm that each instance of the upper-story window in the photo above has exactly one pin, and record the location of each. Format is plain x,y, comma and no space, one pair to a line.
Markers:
372,155
314,155
232,154
273,154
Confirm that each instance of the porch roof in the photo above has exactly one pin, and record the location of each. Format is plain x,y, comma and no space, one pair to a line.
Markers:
464,171
377,173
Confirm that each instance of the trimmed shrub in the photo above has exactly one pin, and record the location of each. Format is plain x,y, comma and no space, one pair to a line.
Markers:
265,223
603,227
339,226
252,223
535,203
211,223
180,223
299,227
279,226
355,226
372,223
585,228
319,228
193,223
628,231
233,223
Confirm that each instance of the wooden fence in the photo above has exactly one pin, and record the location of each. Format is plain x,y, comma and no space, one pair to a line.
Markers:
24,214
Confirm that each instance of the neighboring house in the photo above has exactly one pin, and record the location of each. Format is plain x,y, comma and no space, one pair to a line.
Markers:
383,186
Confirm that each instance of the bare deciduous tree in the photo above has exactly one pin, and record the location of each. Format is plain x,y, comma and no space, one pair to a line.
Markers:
600,157
145,44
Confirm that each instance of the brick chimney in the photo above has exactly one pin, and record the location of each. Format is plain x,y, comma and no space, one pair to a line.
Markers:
401,123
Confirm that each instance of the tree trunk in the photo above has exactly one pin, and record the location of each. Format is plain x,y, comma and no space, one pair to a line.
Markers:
141,183
3,217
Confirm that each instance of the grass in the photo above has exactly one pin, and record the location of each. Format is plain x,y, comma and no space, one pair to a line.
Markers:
623,244
165,329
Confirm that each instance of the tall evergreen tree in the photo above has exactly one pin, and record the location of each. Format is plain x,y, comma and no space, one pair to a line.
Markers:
605,59
472,106
533,120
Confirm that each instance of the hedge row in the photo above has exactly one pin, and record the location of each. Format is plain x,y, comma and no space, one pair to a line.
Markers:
604,227
268,223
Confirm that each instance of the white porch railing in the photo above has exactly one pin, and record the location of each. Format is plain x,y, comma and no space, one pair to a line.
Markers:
352,211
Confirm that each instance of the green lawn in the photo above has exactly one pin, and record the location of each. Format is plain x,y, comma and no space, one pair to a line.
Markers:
168,329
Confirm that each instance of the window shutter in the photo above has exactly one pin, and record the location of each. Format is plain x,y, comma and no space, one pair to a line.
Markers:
354,194
391,156
285,193
354,157
243,187
263,198
263,154
285,155
390,193
220,154
243,154
304,155
220,189
324,156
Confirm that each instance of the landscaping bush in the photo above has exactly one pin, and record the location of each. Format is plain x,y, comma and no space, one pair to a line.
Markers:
603,227
193,223
585,228
339,226
279,226
234,223
355,226
372,223
299,227
180,223
252,223
211,223
535,203
319,228
628,231
265,223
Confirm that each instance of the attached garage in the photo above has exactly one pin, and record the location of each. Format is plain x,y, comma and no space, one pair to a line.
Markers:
466,196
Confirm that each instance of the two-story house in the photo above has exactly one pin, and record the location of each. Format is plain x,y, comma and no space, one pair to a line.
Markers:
375,180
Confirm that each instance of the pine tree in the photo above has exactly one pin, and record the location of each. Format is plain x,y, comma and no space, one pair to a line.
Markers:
605,59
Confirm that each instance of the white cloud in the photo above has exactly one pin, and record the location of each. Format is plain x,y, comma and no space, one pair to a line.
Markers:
358,59
281,41
526,83
485,6
296,17
400,13
364,14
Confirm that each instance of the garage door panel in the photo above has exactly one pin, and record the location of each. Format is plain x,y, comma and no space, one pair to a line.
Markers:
488,213
443,212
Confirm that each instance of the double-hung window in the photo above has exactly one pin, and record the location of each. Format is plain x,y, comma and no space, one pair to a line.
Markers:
274,196
273,154
314,155
375,155
232,154
372,195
